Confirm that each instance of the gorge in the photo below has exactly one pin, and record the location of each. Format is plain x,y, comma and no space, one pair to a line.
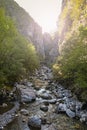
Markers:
43,77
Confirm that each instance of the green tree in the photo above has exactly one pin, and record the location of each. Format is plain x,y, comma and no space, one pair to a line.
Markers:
17,55
73,62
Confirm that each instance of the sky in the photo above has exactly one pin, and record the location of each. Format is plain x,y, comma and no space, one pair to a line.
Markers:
44,12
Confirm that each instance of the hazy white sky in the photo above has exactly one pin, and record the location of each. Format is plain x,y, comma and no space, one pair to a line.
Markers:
44,12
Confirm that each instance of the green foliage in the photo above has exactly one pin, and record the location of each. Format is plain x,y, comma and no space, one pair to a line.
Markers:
71,65
73,15
73,62
17,56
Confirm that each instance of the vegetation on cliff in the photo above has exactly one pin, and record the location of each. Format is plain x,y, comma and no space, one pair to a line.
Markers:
71,66
25,24
18,57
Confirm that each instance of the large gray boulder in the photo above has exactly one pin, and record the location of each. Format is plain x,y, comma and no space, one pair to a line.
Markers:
34,123
25,94
46,96
70,113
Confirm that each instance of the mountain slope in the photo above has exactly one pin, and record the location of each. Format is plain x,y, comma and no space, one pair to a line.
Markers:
25,24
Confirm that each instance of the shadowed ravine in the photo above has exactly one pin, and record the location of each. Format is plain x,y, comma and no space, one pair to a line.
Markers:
49,96
37,101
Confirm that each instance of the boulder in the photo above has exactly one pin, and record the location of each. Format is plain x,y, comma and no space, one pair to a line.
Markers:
52,101
34,123
83,116
40,92
61,108
26,94
44,108
43,93
70,113
67,93
46,96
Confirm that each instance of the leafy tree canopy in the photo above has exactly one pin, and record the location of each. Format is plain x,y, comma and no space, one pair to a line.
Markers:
18,57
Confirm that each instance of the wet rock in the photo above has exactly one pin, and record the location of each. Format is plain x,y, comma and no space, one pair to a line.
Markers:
61,108
52,101
60,95
24,112
28,97
70,113
78,105
26,94
71,106
83,116
43,90
40,92
35,122
46,96
44,108
67,93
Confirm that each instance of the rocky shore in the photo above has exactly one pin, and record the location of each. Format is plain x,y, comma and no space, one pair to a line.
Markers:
45,105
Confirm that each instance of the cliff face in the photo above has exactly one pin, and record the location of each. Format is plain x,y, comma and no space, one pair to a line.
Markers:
45,45
50,47
73,16
25,24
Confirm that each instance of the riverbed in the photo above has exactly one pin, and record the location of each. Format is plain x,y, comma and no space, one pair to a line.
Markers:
50,95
